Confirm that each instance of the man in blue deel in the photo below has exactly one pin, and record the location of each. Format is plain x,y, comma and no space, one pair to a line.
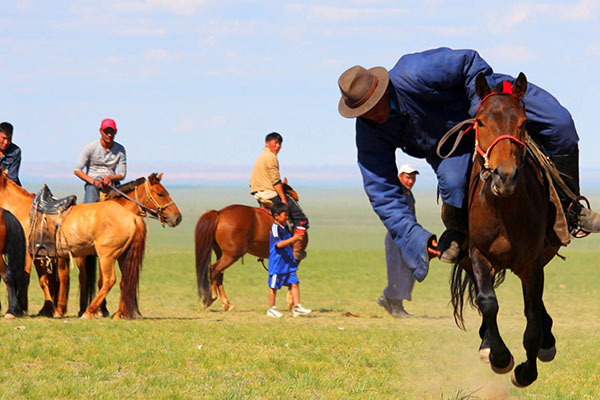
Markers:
410,108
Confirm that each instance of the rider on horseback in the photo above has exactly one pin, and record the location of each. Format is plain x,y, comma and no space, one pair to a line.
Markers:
265,181
411,107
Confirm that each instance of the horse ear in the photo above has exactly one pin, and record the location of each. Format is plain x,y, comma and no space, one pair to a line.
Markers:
152,178
481,86
159,177
520,86
285,181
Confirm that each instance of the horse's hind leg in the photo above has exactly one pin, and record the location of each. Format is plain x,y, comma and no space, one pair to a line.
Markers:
107,266
500,358
47,309
533,285
484,347
547,350
63,290
216,278
14,310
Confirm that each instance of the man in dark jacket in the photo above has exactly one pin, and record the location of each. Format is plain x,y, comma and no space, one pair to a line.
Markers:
411,107
10,153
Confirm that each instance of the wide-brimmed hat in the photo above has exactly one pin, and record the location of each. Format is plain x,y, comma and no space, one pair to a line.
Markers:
361,89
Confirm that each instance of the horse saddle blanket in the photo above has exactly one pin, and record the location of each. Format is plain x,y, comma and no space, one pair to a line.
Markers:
46,215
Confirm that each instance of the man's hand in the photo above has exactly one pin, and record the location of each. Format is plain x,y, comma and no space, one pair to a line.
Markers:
99,183
432,249
106,181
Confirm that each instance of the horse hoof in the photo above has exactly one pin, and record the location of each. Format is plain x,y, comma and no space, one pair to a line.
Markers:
118,315
228,307
86,315
513,379
58,315
484,355
9,316
547,355
506,369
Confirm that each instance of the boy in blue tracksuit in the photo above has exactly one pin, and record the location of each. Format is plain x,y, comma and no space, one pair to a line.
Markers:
282,264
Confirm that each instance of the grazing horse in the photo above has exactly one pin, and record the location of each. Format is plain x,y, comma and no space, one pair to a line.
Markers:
12,245
106,229
230,232
510,227
144,197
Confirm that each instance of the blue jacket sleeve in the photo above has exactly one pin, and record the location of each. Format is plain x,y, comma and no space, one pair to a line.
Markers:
377,163
13,169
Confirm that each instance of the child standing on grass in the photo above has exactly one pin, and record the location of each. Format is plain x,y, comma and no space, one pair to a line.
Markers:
282,264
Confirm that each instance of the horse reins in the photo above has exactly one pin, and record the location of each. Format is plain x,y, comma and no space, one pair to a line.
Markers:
144,210
506,89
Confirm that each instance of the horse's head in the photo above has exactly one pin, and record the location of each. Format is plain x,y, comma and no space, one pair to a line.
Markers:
500,126
161,200
289,190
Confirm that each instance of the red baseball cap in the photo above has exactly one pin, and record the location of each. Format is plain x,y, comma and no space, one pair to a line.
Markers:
108,123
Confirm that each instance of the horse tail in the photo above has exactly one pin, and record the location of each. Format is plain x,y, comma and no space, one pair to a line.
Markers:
131,265
461,283
15,247
87,289
204,240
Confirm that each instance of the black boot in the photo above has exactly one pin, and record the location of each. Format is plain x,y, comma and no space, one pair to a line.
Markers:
451,241
578,216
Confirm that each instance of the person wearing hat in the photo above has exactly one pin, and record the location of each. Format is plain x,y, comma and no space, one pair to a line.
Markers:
10,153
101,162
411,107
400,278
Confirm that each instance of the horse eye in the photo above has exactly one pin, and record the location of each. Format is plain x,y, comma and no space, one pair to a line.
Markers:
161,195
479,122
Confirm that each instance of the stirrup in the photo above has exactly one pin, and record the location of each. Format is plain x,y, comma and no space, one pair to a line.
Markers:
572,213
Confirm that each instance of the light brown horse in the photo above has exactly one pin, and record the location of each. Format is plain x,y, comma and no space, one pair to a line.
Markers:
106,229
146,197
510,227
230,232
12,245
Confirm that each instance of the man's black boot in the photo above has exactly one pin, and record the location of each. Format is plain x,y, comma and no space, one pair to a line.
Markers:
455,220
579,216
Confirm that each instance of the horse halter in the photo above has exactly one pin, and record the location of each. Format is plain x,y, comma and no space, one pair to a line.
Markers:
158,213
506,89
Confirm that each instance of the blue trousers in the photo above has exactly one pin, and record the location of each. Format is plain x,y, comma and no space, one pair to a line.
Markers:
452,175
92,194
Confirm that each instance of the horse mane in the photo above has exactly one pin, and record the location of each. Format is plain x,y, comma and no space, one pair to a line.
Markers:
4,181
289,190
125,188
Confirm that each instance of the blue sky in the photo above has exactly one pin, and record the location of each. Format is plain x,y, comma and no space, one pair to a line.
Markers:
195,85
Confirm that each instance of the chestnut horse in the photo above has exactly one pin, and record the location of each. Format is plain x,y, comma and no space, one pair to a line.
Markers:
510,227
145,197
230,232
106,229
12,245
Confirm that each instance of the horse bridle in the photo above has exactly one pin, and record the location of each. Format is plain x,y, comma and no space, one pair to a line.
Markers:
506,89
144,210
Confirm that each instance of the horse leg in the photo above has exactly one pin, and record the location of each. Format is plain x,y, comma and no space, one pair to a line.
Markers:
13,302
500,358
63,290
107,266
533,286
216,278
484,347
103,307
47,309
547,350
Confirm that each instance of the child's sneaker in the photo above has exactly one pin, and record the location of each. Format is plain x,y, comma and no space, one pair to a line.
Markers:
299,311
273,313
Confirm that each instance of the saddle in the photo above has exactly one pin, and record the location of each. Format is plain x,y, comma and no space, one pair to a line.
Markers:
46,215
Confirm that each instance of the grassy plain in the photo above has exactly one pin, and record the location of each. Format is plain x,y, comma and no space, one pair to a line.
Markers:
348,348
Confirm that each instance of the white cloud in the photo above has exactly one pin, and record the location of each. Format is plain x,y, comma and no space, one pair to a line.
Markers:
342,14
506,52
142,31
178,7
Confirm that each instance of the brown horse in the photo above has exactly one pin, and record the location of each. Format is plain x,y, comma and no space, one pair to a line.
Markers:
510,227
106,229
12,245
145,197
230,232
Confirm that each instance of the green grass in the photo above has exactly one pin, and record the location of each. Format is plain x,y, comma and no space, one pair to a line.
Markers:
348,348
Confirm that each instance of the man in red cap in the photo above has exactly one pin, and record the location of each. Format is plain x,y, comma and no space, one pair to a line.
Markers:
101,162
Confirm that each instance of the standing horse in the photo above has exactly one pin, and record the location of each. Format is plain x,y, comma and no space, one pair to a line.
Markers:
510,227
144,197
230,232
106,229
12,245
